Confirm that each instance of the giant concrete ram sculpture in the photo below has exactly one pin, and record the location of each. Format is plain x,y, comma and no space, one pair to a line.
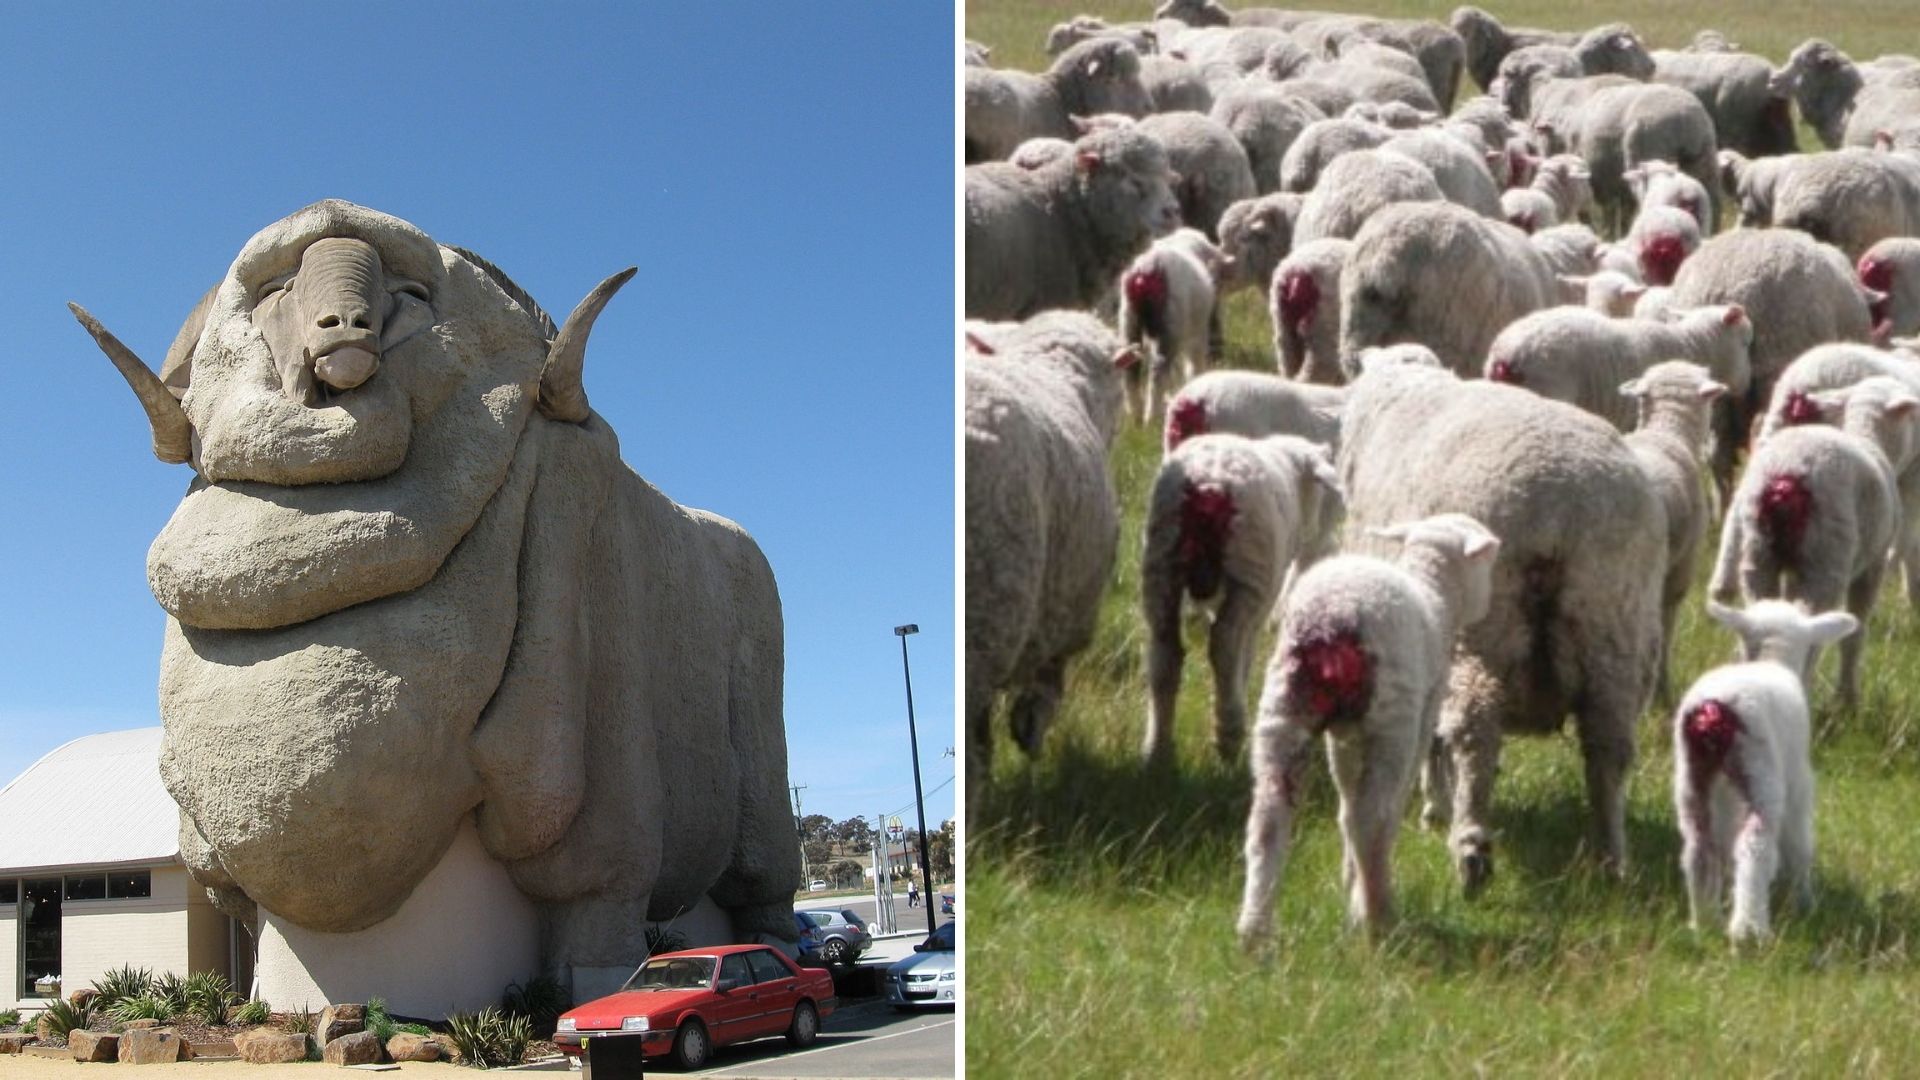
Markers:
413,581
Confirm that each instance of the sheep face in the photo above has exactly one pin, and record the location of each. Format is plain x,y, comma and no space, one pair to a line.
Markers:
1614,50
1101,76
1127,185
1256,234
1823,82
1194,12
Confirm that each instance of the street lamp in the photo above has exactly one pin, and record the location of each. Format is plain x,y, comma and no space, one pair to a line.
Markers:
919,800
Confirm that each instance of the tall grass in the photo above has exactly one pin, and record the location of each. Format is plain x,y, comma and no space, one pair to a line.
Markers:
1101,897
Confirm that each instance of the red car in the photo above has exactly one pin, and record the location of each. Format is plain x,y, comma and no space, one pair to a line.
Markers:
684,1004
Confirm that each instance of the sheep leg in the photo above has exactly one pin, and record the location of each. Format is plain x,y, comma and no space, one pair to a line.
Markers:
1860,597
1346,764
1374,821
1230,649
1822,589
1796,855
1166,653
1724,585
1279,751
1436,774
1756,857
1700,851
1605,722
1032,711
1470,725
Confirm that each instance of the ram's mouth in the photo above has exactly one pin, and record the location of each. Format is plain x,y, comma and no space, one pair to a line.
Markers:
347,363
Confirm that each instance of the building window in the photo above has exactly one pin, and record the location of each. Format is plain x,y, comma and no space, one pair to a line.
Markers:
39,932
87,887
9,892
129,884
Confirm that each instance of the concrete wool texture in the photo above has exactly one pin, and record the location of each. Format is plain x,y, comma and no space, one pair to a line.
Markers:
429,569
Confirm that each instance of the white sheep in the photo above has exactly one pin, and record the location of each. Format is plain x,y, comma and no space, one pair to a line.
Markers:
1892,269
1850,198
1609,292
1043,400
1440,275
1266,122
1256,234
1817,510
1175,85
1363,658
1528,209
1743,768
1581,357
1619,127
1569,249
1458,165
1006,108
1735,88
1750,183
1675,401
1488,42
1304,306
1354,187
1211,166
1253,404
1169,304
1227,520
1059,235
1574,624
1846,103
1660,240
1320,142
1659,183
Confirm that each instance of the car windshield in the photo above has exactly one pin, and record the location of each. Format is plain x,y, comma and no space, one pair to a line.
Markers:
941,939
821,918
673,973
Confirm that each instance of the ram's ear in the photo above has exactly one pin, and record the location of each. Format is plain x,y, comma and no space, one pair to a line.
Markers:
176,368
563,396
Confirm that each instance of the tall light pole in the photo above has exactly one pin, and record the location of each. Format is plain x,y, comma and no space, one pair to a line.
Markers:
919,800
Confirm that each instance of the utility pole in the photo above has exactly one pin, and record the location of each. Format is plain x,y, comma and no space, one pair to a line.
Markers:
806,870
919,799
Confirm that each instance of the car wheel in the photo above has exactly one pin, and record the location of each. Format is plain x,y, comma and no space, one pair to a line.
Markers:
834,950
806,1025
691,1047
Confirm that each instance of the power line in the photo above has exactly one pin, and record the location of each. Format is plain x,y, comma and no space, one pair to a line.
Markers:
930,791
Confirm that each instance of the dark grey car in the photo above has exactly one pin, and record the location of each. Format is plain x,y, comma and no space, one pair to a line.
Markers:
843,937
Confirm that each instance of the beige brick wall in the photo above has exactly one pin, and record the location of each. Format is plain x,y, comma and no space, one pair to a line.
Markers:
9,956
208,939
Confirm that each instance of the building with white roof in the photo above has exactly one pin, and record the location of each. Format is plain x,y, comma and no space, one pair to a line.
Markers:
91,877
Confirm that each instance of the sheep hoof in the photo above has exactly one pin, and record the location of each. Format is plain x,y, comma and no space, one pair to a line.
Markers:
1475,863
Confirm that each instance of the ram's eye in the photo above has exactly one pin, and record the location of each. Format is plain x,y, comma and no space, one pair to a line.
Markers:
282,283
410,288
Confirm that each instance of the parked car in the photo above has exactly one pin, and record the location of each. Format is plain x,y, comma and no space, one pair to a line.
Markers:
928,977
816,886
946,903
807,938
684,1005
842,936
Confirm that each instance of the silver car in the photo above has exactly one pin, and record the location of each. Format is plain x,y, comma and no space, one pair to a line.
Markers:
842,936
928,977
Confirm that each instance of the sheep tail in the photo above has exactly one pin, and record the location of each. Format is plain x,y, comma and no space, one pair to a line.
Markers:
1206,517
1186,417
1799,409
1329,675
1299,301
1708,731
1146,292
1786,506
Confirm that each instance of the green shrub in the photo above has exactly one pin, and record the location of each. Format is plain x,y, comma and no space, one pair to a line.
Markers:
143,1006
660,939
417,1029
9,1017
174,989
251,1012
541,1001
300,1023
490,1038
207,996
120,984
63,1016
378,1020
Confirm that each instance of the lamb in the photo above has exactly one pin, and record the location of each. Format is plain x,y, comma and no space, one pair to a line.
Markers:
1736,90
1266,122
1661,240
1798,292
1609,292
1581,357
1623,126
1304,303
1891,268
1574,622
1253,405
1320,143
1569,249
1751,184
1227,521
1169,305
1562,190
1743,770
1817,510
1659,183
1041,517
1440,275
1006,108
1850,198
1256,234
1675,402
1355,187
1059,235
1364,655
1527,209
1487,42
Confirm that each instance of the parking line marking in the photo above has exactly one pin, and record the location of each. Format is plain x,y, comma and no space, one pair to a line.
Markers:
842,1045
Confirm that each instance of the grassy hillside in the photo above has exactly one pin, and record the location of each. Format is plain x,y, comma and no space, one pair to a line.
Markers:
1101,899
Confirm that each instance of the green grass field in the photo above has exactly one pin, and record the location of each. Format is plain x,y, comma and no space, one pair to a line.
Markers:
1101,898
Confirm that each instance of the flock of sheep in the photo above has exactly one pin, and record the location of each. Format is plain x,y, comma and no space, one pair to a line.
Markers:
1515,367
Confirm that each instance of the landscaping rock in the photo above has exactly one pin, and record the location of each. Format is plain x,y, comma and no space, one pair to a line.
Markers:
449,1049
94,1045
83,999
359,1048
41,1030
212,1048
49,1052
338,1020
271,1046
151,1046
140,1025
406,1046
13,1042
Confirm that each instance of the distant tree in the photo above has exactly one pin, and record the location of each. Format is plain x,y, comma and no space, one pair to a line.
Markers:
846,873
856,833
817,854
816,827
940,851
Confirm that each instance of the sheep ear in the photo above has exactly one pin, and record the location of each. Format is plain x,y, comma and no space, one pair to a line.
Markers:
1902,404
1731,618
1093,68
1634,291
1830,626
976,343
1631,388
1257,227
1324,472
1126,357
1711,391
1087,161
1575,281
1389,532
1081,124
1481,546
1734,316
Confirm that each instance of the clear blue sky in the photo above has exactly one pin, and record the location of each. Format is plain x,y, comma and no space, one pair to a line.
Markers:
782,175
